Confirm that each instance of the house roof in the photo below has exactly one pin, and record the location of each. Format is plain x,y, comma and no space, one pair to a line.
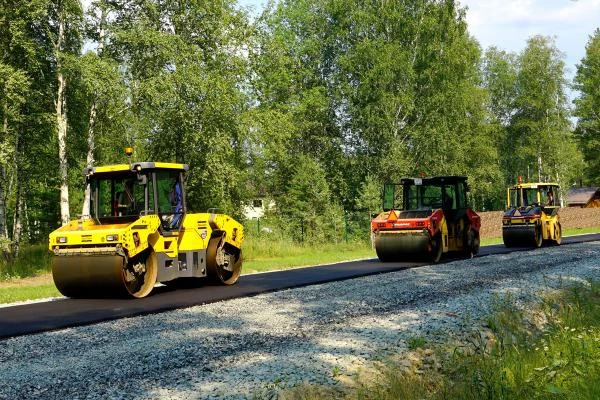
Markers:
581,195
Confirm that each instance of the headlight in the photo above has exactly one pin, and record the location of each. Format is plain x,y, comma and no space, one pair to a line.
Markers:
61,239
112,238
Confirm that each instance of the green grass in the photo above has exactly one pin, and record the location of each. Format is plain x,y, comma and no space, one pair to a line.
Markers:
21,293
520,360
32,260
580,231
262,255
566,232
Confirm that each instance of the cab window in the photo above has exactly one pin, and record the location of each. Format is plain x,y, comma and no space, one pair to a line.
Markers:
169,198
117,198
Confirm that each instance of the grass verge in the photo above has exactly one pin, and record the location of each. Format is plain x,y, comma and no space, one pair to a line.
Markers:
566,232
551,351
261,255
27,292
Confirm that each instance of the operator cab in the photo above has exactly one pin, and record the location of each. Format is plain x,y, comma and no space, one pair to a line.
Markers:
418,197
529,198
122,193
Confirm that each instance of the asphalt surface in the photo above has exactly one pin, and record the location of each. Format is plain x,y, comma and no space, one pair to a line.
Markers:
64,313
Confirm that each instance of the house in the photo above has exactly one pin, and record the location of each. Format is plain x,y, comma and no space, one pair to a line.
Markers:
584,197
256,208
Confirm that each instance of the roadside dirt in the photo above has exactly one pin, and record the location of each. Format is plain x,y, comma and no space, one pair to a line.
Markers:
38,280
570,218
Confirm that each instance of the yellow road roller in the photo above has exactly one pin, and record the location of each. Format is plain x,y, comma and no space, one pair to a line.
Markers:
531,215
139,232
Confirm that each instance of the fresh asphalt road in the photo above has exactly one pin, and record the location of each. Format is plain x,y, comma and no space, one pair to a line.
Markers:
63,313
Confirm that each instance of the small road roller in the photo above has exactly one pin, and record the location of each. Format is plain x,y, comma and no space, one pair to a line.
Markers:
531,215
140,233
424,218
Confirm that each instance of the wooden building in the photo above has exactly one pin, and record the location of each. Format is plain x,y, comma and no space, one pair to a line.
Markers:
584,197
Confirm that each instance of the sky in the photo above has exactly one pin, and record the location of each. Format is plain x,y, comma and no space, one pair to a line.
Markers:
507,24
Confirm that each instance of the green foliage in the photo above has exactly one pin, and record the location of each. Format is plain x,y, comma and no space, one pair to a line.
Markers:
369,198
183,79
587,81
529,118
415,342
307,199
562,359
540,124
31,261
314,104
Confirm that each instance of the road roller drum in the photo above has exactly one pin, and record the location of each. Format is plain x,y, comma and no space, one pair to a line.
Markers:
394,246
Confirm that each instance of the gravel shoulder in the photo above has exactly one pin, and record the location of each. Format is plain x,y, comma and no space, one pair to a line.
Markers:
252,347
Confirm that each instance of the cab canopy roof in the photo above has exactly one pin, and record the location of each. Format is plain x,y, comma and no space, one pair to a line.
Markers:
534,185
434,180
136,167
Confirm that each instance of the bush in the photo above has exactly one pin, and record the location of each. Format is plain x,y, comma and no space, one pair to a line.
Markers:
32,260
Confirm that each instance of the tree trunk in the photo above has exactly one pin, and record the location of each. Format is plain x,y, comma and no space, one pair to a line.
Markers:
61,122
17,220
3,230
85,212
18,225
539,165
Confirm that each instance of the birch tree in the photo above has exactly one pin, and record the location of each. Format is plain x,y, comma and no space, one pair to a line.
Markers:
66,19
93,114
540,129
14,85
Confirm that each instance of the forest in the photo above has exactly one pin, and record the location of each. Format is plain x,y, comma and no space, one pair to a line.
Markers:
311,105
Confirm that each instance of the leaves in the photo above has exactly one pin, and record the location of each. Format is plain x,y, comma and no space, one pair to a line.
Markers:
314,104
587,106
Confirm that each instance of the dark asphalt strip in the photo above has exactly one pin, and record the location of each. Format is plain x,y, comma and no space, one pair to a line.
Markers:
64,313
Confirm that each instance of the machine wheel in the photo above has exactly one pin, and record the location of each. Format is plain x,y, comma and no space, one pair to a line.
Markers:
537,236
476,244
383,257
436,249
140,274
557,234
508,242
471,243
223,263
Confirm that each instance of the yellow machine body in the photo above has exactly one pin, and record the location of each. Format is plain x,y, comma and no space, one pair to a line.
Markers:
123,251
532,215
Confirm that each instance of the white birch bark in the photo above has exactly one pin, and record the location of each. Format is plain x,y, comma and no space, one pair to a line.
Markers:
17,224
3,230
90,161
85,211
61,122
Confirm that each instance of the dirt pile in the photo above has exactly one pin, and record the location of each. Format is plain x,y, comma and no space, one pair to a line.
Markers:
570,217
